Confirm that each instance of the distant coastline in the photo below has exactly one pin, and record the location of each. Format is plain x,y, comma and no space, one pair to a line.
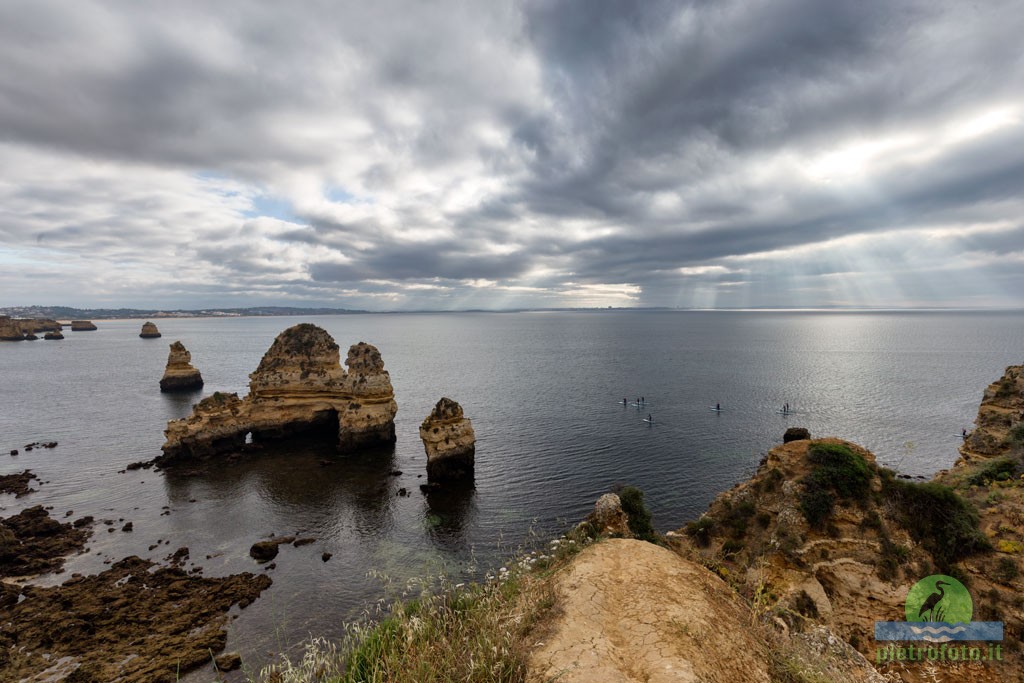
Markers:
72,313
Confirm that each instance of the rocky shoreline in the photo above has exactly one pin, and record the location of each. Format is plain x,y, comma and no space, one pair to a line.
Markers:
819,543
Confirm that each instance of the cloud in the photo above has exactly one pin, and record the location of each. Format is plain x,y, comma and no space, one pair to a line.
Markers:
508,154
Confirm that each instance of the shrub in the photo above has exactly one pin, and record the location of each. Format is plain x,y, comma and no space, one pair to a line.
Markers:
700,531
736,518
639,516
1006,570
839,473
1016,435
764,519
732,546
937,518
805,605
1006,388
999,469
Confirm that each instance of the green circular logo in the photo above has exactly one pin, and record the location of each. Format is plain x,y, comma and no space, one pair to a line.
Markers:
939,598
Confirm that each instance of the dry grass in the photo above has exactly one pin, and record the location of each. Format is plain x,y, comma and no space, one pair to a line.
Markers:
464,632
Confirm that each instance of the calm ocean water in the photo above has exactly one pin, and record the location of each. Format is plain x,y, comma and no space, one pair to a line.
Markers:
543,390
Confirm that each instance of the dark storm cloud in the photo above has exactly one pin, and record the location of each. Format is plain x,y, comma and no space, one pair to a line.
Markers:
548,153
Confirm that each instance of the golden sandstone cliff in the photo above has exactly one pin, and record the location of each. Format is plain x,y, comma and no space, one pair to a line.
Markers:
784,577
449,441
179,374
299,386
823,536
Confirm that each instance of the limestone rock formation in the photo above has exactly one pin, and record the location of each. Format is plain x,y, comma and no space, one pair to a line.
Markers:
298,387
449,441
608,517
10,330
180,375
33,325
1001,410
82,326
149,331
56,334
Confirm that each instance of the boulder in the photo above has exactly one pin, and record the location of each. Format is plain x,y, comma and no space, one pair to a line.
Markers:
179,374
10,330
795,434
82,326
299,386
229,661
449,440
608,517
149,331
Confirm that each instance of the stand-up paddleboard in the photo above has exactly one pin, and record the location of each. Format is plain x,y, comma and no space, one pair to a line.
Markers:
717,410
648,421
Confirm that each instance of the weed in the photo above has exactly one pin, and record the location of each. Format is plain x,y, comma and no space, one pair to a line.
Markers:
639,516
700,531
1006,570
937,518
999,469
839,473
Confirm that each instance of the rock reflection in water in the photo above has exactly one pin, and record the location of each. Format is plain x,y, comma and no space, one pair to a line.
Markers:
450,511
301,482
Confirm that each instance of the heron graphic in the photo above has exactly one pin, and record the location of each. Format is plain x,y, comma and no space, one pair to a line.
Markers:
935,613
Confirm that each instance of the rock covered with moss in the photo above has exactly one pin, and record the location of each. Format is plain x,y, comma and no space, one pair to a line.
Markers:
449,441
299,386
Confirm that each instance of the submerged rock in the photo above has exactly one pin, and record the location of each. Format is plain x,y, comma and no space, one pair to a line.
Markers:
134,623
449,440
149,331
179,374
263,551
18,484
31,542
298,387
82,326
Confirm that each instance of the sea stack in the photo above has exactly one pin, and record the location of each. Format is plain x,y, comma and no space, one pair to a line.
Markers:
299,387
449,441
180,375
10,330
149,331
56,334
82,326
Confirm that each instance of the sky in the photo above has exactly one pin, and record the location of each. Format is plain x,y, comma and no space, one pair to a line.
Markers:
464,155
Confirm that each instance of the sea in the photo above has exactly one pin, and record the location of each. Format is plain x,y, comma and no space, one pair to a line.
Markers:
545,393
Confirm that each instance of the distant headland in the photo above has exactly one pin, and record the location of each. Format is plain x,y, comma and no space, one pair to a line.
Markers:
68,312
